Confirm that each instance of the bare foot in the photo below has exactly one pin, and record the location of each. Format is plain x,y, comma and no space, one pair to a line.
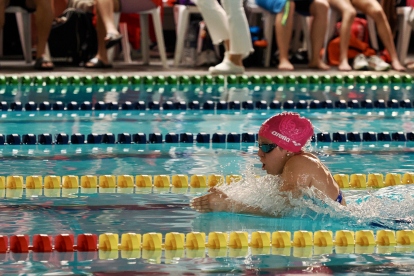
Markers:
397,66
319,65
344,66
285,65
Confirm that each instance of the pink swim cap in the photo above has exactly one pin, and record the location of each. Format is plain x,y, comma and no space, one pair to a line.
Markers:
287,130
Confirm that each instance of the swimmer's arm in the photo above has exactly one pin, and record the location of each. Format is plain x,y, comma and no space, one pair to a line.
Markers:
217,201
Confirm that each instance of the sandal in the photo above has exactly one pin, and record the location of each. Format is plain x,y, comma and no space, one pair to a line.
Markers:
97,64
112,39
42,61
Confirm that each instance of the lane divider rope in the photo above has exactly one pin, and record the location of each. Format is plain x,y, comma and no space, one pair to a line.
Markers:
230,80
200,138
366,104
179,181
219,244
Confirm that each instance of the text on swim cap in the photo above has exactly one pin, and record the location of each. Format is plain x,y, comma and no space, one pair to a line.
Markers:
277,134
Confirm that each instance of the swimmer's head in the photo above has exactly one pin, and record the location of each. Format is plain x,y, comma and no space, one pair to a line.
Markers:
287,130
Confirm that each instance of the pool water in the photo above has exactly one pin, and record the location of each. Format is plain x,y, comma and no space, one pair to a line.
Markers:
140,210
173,121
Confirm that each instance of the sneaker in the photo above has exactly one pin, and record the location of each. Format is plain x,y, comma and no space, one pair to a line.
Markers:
377,64
226,67
360,62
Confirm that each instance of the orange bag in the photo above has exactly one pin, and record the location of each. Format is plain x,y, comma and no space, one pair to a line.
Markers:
355,47
359,29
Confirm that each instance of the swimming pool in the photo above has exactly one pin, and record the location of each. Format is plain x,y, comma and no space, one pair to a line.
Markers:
160,210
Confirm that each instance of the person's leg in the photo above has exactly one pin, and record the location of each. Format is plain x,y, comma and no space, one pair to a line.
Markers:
105,10
101,33
44,19
216,21
373,9
283,36
104,25
3,5
319,11
240,40
348,15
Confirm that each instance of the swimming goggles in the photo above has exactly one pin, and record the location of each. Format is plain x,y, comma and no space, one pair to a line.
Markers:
266,148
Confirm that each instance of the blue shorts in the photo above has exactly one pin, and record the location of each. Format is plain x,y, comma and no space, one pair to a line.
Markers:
276,6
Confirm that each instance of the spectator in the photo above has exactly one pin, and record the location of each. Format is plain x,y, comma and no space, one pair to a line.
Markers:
108,34
44,20
373,9
284,22
227,23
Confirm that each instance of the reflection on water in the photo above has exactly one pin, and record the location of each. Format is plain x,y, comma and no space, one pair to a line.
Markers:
208,121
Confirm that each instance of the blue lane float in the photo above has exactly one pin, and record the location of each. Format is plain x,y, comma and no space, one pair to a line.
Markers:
77,138
157,138
139,138
45,139
45,106
62,139
124,138
4,106
208,105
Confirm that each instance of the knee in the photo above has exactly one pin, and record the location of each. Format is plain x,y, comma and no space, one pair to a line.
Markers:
349,14
320,6
377,13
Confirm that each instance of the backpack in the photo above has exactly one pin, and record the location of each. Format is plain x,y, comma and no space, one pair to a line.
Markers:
73,38
355,47
206,52
189,56
359,29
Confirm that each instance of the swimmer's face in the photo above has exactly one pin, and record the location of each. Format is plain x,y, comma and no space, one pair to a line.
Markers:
273,161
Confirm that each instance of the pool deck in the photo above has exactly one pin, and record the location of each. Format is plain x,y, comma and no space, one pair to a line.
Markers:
13,67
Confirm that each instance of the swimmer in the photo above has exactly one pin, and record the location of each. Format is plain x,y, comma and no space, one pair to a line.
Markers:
281,142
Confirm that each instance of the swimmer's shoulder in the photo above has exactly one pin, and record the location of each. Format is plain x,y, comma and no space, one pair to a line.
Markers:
304,159
301,169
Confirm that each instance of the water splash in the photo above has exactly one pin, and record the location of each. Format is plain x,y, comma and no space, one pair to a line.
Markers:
391,207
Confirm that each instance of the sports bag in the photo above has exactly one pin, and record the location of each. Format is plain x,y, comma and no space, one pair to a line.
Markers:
355,47
73,38
359,29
